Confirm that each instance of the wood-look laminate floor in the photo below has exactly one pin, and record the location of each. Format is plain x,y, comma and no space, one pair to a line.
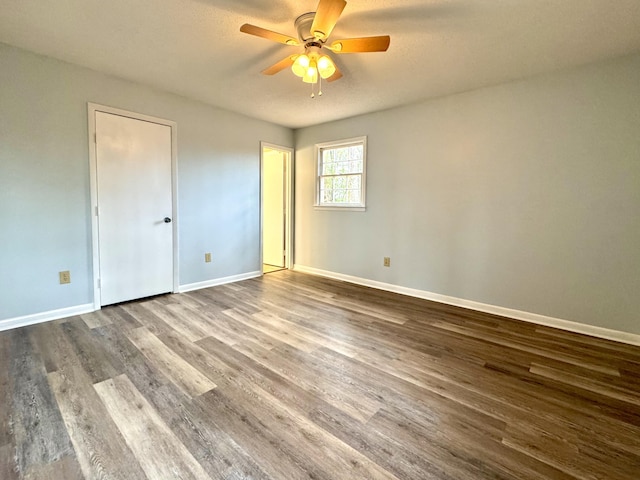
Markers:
291,376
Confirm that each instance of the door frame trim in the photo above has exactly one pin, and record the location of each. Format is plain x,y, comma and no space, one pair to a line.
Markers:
289,192
92,108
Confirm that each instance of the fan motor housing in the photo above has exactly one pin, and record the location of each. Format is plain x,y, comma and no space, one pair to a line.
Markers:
303,27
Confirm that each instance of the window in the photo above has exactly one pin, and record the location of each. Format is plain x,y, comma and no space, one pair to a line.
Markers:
340,181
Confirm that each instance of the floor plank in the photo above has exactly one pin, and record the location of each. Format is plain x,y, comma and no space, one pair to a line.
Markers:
190,380
7,463
66,468
6,391
159,452
39,434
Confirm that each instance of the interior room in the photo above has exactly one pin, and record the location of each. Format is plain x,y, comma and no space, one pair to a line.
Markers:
320,239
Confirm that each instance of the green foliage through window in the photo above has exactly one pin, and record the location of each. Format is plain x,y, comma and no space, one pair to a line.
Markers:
341,173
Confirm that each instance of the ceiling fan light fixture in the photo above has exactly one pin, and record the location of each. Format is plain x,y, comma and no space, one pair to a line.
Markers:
311,75
326,67
300,65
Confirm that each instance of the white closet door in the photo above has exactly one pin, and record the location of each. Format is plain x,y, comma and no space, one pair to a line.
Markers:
134,208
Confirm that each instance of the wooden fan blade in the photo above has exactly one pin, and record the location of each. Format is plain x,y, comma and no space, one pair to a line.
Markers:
327,15
336,76
268,34
357,45
281,65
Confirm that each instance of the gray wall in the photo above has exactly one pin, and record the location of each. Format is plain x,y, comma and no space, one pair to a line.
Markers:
524,195
44,180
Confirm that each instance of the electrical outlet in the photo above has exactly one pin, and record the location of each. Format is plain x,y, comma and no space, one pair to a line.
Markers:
207,257
387,261
65,277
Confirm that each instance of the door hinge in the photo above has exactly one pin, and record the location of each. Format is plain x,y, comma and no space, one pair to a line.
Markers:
99,283
97,211
95,138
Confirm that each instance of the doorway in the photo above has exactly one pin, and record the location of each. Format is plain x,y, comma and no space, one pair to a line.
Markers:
133,203
276,207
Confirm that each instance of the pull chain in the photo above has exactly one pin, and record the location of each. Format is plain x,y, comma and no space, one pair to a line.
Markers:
319,83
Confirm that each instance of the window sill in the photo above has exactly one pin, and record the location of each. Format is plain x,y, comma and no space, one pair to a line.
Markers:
341,209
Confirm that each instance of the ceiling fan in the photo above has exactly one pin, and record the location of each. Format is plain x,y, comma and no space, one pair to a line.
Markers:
313,30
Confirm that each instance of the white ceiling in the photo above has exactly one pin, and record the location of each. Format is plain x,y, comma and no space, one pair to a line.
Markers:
194,47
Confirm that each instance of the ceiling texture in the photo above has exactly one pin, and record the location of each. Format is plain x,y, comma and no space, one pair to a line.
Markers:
195,48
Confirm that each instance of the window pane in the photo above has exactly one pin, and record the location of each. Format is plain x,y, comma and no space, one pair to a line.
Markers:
339,182
338,196
337,168
326,183
344,167
341,160
354,196
353,181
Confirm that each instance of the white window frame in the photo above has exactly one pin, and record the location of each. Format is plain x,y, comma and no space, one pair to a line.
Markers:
356,207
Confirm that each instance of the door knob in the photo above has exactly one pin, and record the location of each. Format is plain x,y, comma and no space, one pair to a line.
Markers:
167,220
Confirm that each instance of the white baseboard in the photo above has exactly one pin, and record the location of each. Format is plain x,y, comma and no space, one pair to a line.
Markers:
218,281
16,322
592,330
